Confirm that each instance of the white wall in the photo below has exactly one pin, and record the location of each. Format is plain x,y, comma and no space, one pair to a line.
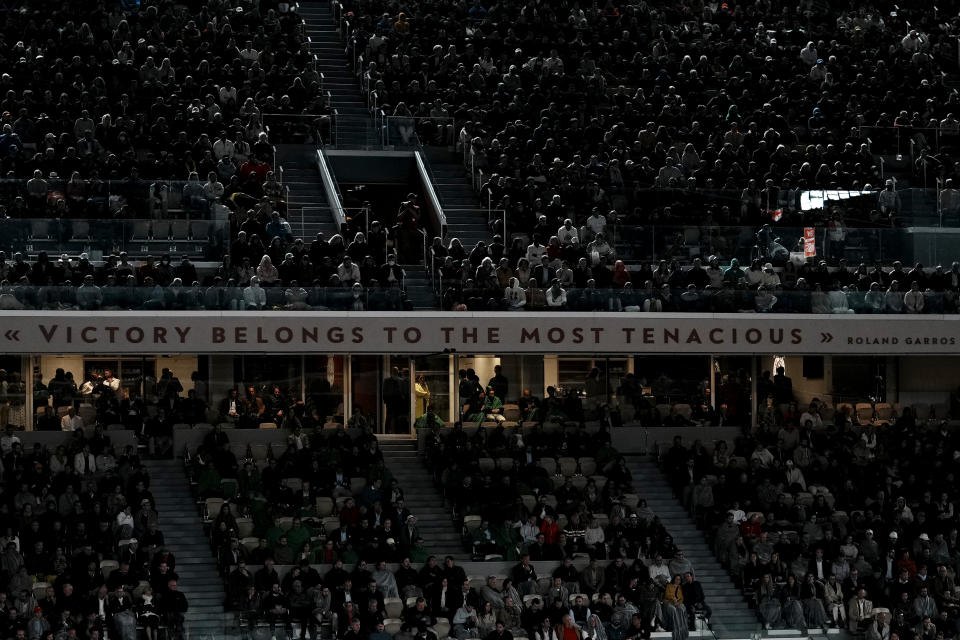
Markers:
551,373
804,389
483,365
50,364
181,366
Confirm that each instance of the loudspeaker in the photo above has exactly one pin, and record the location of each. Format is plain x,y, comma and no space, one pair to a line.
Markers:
813,367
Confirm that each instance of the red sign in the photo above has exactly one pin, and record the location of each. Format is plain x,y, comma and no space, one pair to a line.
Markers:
809,242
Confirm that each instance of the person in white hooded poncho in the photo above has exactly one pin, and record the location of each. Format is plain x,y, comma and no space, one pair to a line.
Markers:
514,296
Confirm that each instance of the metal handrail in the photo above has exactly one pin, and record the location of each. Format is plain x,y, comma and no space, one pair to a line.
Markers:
332,190
423,164
433,274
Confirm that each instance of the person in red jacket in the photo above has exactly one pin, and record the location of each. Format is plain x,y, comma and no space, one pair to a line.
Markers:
751,528
254,166
550,530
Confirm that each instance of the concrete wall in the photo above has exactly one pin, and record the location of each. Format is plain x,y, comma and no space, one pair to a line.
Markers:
634,440
52,439
927,380
390,167
472,569
191,438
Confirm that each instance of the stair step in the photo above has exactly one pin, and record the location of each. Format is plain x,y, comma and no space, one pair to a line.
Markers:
199,578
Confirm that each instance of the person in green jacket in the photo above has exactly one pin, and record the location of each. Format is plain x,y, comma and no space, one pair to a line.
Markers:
507,537
274,533
349,555
249,481
429,420
492,407
483,541
418,553
209,482
298,535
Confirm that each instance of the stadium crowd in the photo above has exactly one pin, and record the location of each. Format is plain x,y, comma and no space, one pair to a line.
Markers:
823,524
139,102
326,498
565,275
83,554
122,283
589,122
573,114
572,138
325,275
568,108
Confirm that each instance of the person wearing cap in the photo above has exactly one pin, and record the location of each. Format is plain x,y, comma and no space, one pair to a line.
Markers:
913,42
879,628
889,201
38,626
818,73
769,278
869,549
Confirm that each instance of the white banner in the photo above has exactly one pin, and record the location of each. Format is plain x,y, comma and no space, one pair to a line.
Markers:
437,332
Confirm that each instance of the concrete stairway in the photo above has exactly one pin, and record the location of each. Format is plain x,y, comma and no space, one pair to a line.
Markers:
732,616
308,210
466,215
419,290
353,126
183,533
422,498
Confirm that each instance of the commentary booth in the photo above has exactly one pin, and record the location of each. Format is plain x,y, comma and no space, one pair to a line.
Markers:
341,362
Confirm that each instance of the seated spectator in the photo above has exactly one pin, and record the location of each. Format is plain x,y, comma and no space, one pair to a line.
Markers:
254,296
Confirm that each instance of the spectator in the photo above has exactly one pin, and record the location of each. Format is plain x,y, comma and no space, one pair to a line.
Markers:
254,296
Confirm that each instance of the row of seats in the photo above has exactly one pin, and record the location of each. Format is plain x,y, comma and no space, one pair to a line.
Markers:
134,229
563,466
